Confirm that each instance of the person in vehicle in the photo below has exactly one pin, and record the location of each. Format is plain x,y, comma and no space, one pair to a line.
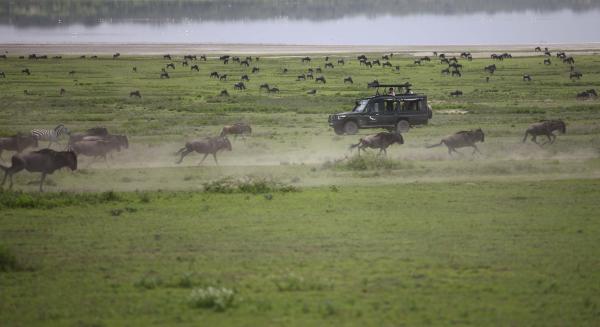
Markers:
391,91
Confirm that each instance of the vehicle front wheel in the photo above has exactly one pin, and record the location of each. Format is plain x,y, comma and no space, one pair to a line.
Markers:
402,126
338,131
350,128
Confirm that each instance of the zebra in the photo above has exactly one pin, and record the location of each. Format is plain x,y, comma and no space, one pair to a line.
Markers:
50,135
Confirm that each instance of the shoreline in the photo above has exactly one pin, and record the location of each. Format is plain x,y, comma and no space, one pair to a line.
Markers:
283,49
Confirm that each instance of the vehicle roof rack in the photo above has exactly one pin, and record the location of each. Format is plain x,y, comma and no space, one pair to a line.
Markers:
406,86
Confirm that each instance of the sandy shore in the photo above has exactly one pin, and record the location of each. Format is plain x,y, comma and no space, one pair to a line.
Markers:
274,49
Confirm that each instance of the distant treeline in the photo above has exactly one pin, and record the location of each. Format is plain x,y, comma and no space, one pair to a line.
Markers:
91,12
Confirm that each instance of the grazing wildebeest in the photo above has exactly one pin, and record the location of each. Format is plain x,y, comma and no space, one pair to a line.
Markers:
444,61
273,90
369,64
2,74
309,75
184,63
92,57
203,57
245,63
575,75
397,68
547,61
455,66
321,79
456,72
301,77
26,71
385,57
545,127
236,129
164,75
195,67
326,58
341,62
62,92
526,77
72,72
236,59
379,141
224,57
348,80
255,70
426,58
239,86
207,146
386,64
167,56
569,60
446,71
361,57
135,93
588,94
134,69
456,93
318,70
453,59
44,161
172,65
313,91
376,62
490,69
462,139
547,53
17,143
245,78
285,70
214,75
305,59
375,83
329,65
116,55
264,86
224,93
226,61
223,77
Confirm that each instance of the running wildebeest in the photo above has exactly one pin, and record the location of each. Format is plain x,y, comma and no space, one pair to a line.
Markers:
526,77
172,65
207,146
94,131
348,80
462,139
588,94
321,79
545,127
224,93
164,75
17,143
135,93
575,75
379,141
236,129
44,161
26,71
99,146
195,67
239,86
223,77
214,75
456,93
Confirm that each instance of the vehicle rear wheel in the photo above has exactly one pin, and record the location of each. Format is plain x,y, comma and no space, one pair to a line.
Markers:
402,126
350,128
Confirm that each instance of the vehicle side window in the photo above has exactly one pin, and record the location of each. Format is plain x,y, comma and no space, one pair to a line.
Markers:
389,107
411,105
376,107
400,106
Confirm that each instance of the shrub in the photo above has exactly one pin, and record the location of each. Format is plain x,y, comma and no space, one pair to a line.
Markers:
149,281
249,184
8,261
368,162
219,299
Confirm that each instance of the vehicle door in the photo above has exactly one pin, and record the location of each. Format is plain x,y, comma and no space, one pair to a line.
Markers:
409,110
375,112
388,117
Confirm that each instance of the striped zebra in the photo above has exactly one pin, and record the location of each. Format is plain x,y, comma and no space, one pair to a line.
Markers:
50,135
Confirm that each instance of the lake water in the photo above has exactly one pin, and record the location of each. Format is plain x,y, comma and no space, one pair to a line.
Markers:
522,27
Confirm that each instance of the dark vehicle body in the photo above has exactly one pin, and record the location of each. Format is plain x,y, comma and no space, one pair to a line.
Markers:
392,112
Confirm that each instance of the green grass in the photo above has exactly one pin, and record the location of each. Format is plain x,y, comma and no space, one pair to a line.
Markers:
292,228
482,253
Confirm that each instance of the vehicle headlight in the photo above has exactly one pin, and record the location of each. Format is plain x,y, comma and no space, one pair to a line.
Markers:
341,116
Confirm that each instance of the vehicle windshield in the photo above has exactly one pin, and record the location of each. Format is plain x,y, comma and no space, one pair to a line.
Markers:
360,106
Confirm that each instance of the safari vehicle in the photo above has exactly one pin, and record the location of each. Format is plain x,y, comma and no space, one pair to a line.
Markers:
393,112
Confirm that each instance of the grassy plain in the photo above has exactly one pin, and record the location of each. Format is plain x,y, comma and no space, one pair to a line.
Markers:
418,238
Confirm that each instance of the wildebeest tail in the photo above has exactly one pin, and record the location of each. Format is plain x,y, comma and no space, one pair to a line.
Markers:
434,145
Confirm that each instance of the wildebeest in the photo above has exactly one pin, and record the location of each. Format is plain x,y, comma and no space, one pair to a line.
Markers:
545,127
375,83
264,86
462,139
99,146
575,75
537,49
376,62
135,93
26,71
490,69
379,141
184,63
224,57
167,56
445,71
116,55
348,80
444,61
94,131
417,62
3,56
318,70
547,61
305,59
255,70
588,94
397,68
72,72
236,129
195,67
456,72
285,70
273,90
224,93
309,75
239,86
17,143
456,93
245,78
62,92
313,91
2,74
164,75
329,65
301,77
134,69
526,77
321,79
207,146
569,60
203,57
386,64
171,65
341,62
223,77
214,75
44,161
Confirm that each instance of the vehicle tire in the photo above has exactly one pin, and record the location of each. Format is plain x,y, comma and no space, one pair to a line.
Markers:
350,128
402,126
338,131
